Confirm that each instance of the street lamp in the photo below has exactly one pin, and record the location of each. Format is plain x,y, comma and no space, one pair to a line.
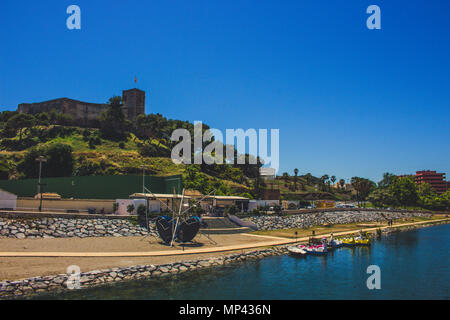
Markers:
143,178
40,160
147,200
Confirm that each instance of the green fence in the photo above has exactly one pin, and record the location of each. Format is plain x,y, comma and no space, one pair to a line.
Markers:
97,187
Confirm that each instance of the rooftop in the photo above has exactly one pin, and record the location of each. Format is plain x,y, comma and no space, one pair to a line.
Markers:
158,195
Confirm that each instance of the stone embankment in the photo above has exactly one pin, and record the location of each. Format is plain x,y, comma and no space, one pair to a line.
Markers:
308,220
82,227
9,289
69,228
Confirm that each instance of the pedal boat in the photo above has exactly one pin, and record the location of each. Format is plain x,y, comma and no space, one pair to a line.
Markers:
297,250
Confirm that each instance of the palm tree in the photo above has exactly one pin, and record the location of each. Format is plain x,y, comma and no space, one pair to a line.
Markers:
333,179
342,183
363,187
286,178
308,178
324,179
295,178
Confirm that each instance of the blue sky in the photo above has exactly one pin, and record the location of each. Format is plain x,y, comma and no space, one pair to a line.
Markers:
348,101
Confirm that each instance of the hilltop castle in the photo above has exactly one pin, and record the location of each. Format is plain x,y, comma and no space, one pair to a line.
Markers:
86,112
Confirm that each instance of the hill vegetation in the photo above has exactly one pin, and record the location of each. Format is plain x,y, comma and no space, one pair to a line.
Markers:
115,146
111,146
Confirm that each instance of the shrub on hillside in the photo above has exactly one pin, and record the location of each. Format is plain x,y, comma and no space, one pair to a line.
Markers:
4,169
92,167
19,122
6,115
60,161
18,145
148,150
113,123
87,167
43,119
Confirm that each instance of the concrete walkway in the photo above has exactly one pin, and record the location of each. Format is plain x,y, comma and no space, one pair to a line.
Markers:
274,241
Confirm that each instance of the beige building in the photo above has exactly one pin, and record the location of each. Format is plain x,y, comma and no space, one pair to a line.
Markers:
347,187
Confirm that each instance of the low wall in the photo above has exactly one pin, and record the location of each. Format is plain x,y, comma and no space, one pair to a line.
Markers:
68,227
66,204
321,217
60,225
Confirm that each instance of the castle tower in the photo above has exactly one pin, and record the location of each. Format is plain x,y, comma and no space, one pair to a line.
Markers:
133,103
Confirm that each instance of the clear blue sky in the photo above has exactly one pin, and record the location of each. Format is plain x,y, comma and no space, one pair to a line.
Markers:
347,100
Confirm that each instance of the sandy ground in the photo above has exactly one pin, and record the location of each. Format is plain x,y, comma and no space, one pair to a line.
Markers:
119,244
21,268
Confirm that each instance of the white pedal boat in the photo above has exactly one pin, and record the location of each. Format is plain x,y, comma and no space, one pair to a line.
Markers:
295,250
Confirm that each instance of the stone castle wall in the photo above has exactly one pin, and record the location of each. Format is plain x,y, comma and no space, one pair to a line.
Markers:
86,112
78,110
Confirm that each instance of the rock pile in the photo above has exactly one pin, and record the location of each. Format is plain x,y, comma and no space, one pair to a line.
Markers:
69,228
339,217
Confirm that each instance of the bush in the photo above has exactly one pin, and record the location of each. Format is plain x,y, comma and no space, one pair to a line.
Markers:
232,210
113,123
86,135
91,143
148,150
141,210
130,208
142,219
88,167
60,161
19,145
4,170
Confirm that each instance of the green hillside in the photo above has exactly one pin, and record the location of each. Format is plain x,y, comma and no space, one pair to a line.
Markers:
116,147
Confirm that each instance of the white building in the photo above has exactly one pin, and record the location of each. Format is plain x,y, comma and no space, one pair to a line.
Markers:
8,200
267,173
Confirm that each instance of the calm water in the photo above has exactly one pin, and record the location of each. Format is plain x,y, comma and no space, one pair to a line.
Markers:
414,265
